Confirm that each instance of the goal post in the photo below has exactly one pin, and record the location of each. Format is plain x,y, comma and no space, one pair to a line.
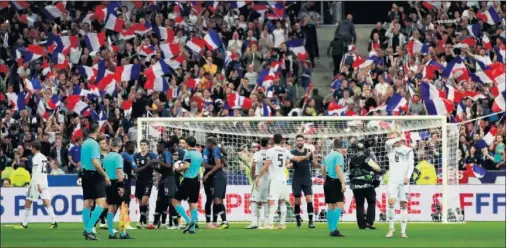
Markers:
435,144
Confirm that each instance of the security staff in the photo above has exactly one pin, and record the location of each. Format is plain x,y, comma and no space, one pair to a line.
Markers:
362,177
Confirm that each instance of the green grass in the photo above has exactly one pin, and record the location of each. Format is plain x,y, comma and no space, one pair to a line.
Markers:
473,234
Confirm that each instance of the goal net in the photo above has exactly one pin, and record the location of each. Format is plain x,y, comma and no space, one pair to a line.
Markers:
434,190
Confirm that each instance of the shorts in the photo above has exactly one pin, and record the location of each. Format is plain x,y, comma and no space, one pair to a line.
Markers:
260,194
189,190
333,191
398,191
298,186
143,189
127,190
167,188
219,185
33,193
112,195
277,190
93,184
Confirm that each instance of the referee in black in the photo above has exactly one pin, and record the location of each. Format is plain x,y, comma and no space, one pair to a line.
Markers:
362,177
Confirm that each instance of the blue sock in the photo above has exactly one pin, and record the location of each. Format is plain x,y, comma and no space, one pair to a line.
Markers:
86,216
338,214
182,212
95,216
195,216
329,217
110,217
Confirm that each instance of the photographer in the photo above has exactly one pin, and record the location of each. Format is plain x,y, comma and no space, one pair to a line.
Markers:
363,183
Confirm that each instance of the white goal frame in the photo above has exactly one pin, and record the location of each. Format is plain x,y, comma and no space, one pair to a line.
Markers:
441,119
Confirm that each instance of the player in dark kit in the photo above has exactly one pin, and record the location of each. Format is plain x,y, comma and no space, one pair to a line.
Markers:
302,181
128,166
166,182
177,148
144,182
215,183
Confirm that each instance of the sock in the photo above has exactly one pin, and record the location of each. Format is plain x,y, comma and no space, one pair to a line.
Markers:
143,210
95,216
103,216
255,216
215,213
338,215
271,215
181,211
164,218
265,213
283,213
110,227
390,214
207,210
297,212
26,214
51,214
173,215
260,217
86,216
195,216
156,219
223,213
404,219
309,210
329,217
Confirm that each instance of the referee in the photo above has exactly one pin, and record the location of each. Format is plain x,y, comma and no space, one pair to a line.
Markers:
93,182
334,187
362,169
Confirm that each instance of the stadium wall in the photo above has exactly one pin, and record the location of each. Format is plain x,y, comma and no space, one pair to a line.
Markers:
480,202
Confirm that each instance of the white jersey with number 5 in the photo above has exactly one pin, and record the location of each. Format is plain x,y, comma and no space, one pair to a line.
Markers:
401,164
259,158
278,157
40,170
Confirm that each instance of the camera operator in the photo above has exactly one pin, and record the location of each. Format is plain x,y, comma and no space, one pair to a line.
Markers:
363,182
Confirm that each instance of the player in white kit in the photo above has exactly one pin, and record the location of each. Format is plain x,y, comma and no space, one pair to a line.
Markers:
38,187
259,196
277,159
401,167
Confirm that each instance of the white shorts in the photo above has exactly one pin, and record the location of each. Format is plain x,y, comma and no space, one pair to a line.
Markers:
260,194
33,193
278,190
398,191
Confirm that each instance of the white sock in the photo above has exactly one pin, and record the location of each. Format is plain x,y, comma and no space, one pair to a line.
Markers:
255,212
404,219
391,213
51,214
26,214
260,217
271,215
265,213
283,213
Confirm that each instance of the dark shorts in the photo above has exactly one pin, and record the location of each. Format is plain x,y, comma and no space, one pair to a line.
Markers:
93,184
167,188
301,185
333,190
112,195
219,185
189,190
143,188
127,190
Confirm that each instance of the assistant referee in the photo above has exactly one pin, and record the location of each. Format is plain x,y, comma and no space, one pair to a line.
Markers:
94,182
334,187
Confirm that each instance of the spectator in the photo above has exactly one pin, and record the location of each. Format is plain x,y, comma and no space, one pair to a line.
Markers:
6,183
417,107
347,30
59,154
338,47
55,170
380,31
74,156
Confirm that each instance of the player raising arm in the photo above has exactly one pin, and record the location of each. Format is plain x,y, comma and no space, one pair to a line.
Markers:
277,159
259,194
38,187
401,166
334,187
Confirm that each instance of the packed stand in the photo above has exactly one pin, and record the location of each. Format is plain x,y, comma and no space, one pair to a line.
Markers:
66,65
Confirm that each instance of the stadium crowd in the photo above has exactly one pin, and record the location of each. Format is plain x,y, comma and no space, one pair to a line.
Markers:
64,66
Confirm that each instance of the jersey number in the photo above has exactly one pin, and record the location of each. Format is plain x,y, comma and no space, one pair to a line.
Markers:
396,158
280,160
44,166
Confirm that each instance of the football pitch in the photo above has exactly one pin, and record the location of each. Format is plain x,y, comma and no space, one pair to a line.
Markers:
472,234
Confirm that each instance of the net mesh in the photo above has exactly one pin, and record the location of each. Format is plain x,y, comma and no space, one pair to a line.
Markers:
239,139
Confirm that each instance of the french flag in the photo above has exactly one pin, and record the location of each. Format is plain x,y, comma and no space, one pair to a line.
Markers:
468,40
32,85
77,133
456,69
156,84
159,69
490,17
297,46
141,28
499,103
95,40
396,103
33,52
127,34
362,63
430,68
173,93
192,83
91,93
170,50
266,109
114,23
128,72
60,62
27,20
88,73
454,95
166,34
238,4
126,106
212,39
212,6
67,43
439,106
196,44
336,109
486,43
100,117
475,29
261,7
77,106
432,5
18,101
236,101
175,63
55,11
20,5
429,91
4,69
107,85
415,46
487,140
54,102
500,54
